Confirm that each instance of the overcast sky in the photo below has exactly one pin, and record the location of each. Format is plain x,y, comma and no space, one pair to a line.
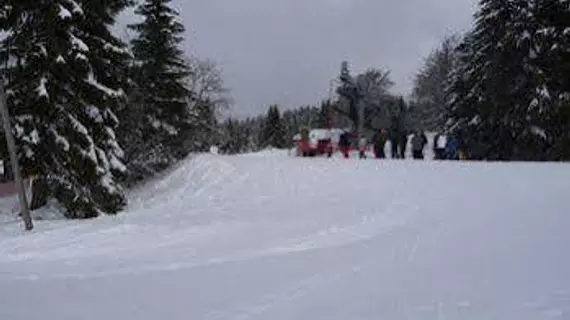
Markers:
287,51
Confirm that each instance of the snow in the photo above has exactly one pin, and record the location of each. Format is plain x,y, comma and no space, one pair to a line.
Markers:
43,50
41,89
526,35
475,120
168,128
106,179
34,137
64,13
116,164
117,150
318,134
534,103
94,113
28,152
81,129
104,163
60,59
269,236
78,43
171,130
108,91
322,134
78,126
539,132
116,49
111,115
544,92
112,142
59,139
76,7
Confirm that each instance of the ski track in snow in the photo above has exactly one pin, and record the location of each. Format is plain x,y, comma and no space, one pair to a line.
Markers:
312,238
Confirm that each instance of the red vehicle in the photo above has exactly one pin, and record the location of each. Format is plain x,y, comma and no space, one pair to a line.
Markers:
318,142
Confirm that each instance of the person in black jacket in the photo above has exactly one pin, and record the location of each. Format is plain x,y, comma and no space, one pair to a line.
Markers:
344,144
403,143
419,141
379,141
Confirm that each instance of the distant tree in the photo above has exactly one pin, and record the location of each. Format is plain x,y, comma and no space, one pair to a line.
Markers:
323,119
206,83
429,97
374,88
273,134
231,138
209,97
375,85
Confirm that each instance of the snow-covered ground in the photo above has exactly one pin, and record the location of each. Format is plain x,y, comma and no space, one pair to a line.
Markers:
268,236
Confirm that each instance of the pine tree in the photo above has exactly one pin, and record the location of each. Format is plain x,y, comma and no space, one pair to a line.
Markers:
64,82
325,114
204,133
273,131
492,87
161,77
429,96
234,139
551,39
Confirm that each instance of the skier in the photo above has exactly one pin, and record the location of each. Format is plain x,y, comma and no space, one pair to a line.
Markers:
419,141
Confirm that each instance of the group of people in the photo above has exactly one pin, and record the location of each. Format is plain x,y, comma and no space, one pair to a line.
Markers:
445,148
399,144
448,148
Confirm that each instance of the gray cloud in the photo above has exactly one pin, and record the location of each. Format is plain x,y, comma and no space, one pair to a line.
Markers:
287,51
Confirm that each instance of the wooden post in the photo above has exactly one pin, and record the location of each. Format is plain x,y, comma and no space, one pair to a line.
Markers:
28,224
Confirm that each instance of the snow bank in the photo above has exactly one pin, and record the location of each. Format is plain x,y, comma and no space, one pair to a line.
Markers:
270,152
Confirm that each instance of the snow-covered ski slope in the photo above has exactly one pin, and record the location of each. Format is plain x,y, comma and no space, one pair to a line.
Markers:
267,236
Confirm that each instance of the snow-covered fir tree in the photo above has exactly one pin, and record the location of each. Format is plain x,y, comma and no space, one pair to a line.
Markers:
63,78
501,90
429,100
551,46
273,134
161,77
